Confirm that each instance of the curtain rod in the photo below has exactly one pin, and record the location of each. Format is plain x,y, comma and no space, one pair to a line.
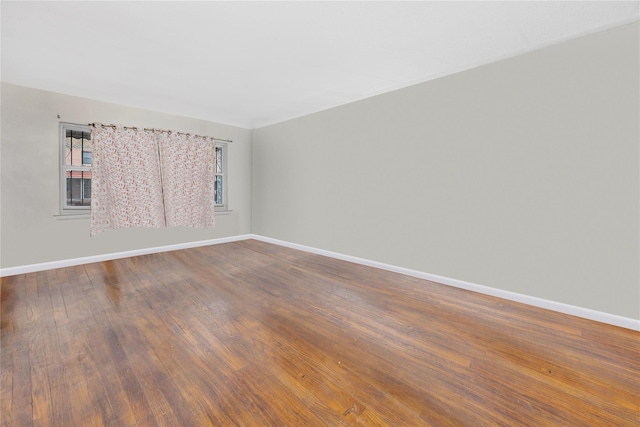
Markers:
159,130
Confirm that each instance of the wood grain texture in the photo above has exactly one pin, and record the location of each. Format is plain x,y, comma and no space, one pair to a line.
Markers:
253,334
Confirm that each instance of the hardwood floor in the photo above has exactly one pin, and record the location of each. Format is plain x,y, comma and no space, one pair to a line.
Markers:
252,334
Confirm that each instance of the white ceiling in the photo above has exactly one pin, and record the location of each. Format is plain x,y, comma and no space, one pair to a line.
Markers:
251,64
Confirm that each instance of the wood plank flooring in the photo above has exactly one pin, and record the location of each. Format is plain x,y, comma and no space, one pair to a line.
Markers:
252,334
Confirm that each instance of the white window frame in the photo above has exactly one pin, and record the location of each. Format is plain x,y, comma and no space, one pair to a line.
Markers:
225,177
64,209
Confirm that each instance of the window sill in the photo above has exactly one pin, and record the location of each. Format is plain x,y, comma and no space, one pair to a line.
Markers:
65,216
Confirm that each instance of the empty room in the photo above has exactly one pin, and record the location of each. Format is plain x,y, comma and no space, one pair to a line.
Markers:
320,213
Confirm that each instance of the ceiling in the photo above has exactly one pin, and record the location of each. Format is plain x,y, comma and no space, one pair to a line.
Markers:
251,64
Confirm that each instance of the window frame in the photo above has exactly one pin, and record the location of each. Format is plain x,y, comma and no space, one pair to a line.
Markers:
225,177
62,187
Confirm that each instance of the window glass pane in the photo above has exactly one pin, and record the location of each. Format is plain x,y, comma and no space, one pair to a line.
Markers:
86,183
86,158
218,159
218,190
77,148
78,188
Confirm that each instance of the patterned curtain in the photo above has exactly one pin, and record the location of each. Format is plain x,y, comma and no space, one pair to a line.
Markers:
142,178
126,185
188,176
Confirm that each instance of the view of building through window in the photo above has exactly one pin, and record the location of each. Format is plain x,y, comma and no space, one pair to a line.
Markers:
219,177
77,164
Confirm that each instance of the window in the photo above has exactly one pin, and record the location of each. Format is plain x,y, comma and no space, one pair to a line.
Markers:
86,158
75,168
220,185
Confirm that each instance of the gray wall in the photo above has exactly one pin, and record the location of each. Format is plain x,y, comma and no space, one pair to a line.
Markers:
521,175
29,188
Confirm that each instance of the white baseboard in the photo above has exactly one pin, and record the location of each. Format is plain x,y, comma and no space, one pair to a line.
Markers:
31,268
586,313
